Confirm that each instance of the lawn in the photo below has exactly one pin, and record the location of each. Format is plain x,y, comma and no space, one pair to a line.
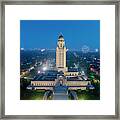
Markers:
32,94
87,95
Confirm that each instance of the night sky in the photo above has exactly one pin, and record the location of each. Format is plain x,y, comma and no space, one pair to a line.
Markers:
44,33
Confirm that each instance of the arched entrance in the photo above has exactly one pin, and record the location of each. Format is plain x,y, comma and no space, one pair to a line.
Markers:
61,80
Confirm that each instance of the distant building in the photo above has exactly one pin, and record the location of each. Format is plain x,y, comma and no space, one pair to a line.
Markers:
61,54
72,72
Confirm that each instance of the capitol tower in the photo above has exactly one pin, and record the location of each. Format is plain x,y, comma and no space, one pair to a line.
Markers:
61,54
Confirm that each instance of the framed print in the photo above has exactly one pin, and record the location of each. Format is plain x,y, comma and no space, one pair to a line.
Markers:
60,59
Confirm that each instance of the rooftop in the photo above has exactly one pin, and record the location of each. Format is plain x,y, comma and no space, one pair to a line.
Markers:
60,36
44,78
72,70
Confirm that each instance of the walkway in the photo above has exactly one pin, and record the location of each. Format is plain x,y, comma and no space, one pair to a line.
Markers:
60,92
45,97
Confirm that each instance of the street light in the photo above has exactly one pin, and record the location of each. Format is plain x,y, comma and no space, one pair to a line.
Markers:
44,68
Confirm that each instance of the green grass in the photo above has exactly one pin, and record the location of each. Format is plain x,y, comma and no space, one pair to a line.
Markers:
87,95
32,94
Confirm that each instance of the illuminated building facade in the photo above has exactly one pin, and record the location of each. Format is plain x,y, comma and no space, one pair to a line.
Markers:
48,81
61,54
69,77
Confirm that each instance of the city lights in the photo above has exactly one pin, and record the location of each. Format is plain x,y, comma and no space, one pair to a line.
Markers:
42,50
60,74
38,71
96,50
44,68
